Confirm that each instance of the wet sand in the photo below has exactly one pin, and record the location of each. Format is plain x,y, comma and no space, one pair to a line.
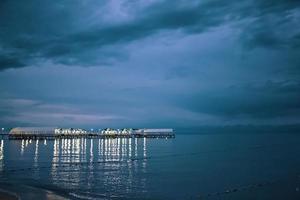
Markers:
28,193
4,195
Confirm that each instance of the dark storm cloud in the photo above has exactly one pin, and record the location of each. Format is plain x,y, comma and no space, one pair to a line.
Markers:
62,32
271,32
271,99
11,61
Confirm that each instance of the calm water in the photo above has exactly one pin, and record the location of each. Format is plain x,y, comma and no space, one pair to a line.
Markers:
212,166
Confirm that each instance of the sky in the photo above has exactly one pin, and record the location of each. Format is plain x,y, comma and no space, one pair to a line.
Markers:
149,63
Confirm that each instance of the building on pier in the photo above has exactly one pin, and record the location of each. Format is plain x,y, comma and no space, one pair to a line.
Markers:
69,131
45,131
109,131
157,131
32,131
123,131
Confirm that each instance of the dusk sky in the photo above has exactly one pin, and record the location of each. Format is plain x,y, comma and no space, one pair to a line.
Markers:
150,63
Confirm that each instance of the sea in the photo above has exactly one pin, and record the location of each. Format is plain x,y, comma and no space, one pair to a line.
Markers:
190,166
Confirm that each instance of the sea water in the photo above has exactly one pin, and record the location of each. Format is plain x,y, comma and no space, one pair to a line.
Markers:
190,166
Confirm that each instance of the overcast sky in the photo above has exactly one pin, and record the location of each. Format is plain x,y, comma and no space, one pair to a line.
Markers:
158,63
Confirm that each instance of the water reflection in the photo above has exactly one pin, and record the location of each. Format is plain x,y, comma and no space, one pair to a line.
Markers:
109,165
22,148
98,160
1,155
35,160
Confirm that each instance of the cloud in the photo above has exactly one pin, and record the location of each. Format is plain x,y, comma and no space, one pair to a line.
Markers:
270,30
251,101
76,34
28,112
193,62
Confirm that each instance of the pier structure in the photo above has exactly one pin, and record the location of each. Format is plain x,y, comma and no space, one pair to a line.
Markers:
53,132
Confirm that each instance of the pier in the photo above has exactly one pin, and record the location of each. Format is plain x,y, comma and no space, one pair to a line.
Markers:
37,137
54,133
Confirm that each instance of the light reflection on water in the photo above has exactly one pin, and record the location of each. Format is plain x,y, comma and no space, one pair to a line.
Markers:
83,150
1,154
85,164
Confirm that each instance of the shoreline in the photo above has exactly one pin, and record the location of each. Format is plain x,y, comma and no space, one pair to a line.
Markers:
6,195
29,192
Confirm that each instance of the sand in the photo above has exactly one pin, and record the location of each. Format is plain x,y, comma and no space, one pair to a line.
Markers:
7,195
